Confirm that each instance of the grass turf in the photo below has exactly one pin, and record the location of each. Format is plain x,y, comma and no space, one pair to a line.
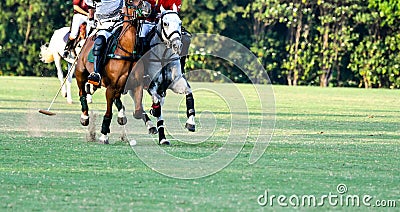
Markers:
322,138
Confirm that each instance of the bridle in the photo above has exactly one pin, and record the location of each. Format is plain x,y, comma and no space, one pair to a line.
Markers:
168,37
132,5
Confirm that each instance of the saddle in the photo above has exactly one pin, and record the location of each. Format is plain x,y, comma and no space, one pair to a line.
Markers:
110,47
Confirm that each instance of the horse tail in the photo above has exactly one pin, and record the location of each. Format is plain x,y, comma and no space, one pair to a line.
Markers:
46,54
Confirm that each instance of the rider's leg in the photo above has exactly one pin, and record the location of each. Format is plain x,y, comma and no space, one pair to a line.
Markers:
77,20
143,41
68,46
95,78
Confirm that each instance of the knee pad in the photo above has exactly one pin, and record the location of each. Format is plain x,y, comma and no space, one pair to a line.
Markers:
99,45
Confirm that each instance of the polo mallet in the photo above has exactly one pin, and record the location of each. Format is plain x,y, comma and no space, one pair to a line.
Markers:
47,112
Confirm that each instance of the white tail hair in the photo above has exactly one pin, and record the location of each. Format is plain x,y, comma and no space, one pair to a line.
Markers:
46,54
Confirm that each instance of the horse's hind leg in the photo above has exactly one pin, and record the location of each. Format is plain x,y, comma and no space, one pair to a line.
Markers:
60,75
162,140
121,111
149,124
68,83
156,111
183,87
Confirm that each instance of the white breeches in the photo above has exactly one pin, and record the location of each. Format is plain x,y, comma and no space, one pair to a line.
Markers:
103,27
77,20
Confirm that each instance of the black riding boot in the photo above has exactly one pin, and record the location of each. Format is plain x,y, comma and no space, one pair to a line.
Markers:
68,47
142,46
95,77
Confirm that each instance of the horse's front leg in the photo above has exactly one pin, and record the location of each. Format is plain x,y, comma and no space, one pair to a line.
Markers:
121,111
60,75
182,87
156,111
105,127
80,78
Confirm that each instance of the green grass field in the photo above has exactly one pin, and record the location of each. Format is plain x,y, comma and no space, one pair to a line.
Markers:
323,138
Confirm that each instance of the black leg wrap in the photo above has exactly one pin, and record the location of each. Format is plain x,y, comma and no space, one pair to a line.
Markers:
84,104
118,103
160,123
156,110
189,105
146,118
105,127
161,133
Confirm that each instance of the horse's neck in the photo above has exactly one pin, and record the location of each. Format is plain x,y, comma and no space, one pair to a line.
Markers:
127,37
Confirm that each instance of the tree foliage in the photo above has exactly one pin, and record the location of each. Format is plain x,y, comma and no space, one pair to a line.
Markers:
298,42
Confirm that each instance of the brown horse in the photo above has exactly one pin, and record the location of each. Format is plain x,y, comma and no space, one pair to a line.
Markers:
115,72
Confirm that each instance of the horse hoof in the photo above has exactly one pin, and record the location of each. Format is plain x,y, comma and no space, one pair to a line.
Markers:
122,120
84,120
190,127
103,139
69,101
138,114
164,142
153,130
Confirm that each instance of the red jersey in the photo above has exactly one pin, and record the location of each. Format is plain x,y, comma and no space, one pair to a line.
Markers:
81,4
167,4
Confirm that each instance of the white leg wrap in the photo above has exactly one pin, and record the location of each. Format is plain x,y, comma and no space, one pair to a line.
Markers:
89,98
190,120
103,138
84,117
121,113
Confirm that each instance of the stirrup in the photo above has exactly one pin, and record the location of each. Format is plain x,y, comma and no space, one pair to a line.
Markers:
95,79
66,54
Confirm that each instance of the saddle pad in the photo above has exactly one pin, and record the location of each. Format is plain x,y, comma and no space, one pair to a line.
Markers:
90,56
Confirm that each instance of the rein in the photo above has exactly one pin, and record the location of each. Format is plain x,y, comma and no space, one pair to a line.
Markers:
131,23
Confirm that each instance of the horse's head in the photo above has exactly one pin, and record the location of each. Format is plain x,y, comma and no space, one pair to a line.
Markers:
170,26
